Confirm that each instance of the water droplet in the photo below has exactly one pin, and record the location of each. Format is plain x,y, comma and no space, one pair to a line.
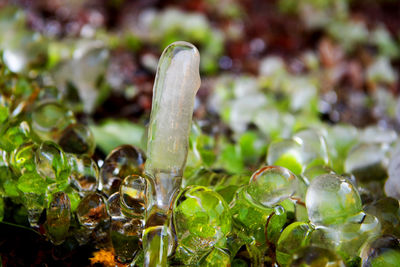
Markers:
84,173
331,199
122,161
92,210
133,196
272,184
77,139
201,218
51,161
58,217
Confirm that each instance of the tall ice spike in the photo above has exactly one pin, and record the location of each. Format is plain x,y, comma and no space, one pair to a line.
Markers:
176,84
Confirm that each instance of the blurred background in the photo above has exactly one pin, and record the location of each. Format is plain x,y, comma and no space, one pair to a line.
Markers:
107,51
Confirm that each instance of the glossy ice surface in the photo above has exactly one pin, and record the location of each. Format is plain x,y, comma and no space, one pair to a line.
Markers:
175,87
331,199
271,184
176,84
202,219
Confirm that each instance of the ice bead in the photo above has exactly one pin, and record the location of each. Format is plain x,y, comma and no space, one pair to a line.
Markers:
23,158
89,64
314,148
221,182
315,171
35,204
348,238
114,204
216,258
271,184
125,232
126,237
340,139
50,118
367,162
387,210
122,161
202,219
316,256
244,109
51,161
286,153
84,173
92,210
77,139
250,218
4,109
133,196
58,217
352,235
294,237
381,251
13,134
331,199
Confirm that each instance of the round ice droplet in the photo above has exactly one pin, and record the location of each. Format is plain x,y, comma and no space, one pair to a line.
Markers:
23,158
315,171
314,149
35,204
49,118
51,161
381,251
293,238
133,196
126,233
350,236
92,210
286,153
113,203
77,139
84,173
387,210
367,162
331,199
13,134
122,161
58,217
316,256
271,184
216,258
201,218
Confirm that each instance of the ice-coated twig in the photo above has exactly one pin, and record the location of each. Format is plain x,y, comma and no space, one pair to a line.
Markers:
176,84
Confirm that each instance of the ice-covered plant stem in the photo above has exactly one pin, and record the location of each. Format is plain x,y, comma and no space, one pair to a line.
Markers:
176,84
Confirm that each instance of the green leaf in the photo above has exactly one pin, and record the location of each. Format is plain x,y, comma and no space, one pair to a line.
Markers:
251,147
73,197
112,133
290,162
10,188
32,183
205,147
5,173
4,113
231,159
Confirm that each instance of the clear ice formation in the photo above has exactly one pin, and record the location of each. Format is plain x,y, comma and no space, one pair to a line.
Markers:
176,84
